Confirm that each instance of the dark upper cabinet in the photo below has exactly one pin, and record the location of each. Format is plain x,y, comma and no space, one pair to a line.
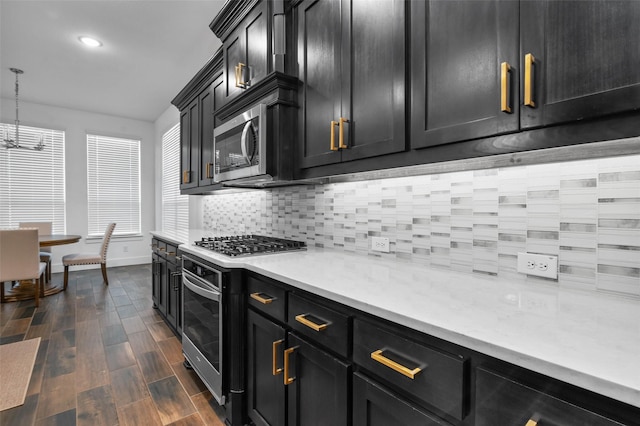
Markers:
351,65
464,70
209,100
584,59
197,103
189,145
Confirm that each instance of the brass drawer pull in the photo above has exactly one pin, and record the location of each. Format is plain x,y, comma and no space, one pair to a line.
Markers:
529,62
171,253
532,422
274,354
186,176
286,378
341,144
333,136
264,300
505,71
303,320
162,249
377,356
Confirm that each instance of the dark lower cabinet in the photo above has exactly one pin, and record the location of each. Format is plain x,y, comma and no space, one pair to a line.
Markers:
373,405
166,282
503,401
265,390
319,393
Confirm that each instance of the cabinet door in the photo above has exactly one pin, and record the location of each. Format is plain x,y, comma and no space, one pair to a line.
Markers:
173,295
373,78
375,406
318,38
205,162
265,391
163,287
457,51
319,393
248,45
586,59
189,146
155,280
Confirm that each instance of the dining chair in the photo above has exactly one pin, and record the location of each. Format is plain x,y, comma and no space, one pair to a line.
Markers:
19,260
90,259
44,228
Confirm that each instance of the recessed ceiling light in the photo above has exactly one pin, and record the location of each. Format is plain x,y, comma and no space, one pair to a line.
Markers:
89,41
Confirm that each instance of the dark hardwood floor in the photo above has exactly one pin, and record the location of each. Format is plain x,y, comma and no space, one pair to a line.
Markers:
106,357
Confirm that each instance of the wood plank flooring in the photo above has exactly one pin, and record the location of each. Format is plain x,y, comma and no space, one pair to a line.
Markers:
106,357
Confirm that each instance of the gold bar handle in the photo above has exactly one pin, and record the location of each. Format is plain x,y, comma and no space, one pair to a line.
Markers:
333,136
405,371
505,70
274,354
532,422
341,145
263,300
303,320
239,71
286,378
529,62
186,176
209,168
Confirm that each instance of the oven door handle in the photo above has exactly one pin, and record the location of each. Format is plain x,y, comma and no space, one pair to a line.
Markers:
209,294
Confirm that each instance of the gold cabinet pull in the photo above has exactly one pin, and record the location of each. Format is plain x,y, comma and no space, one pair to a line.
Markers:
333,136
529,61
186,176
263,300
240,75
303,320
162,249
532,422
209,168
274,348
341,144
405,371
171,253
286,378
505,71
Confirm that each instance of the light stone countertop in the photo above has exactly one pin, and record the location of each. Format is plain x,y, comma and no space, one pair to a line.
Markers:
583,338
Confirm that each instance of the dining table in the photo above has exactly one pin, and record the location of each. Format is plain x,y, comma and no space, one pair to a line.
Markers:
24,290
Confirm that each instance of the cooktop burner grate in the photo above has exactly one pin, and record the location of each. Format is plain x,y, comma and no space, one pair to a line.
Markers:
245,245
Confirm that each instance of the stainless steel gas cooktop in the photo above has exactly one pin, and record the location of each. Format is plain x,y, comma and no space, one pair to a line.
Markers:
246,245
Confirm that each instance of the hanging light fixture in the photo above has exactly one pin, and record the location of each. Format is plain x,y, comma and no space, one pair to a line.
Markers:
15,142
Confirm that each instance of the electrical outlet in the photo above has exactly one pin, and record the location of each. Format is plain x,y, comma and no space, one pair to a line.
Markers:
541,265
380,244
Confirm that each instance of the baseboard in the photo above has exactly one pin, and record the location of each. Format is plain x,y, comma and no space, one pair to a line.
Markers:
124,261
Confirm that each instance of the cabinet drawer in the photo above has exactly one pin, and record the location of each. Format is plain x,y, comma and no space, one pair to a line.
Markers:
501,401
438,377
267,298
319,323
375,405
171,252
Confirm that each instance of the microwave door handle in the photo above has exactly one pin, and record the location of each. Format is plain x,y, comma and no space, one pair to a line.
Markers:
243,141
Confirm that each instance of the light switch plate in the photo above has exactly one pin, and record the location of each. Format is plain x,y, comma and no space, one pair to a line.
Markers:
541,265
380,244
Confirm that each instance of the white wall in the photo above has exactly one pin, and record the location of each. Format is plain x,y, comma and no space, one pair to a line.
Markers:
76,124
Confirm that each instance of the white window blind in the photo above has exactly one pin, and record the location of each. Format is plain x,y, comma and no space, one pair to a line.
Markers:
32,182
113,184
175,207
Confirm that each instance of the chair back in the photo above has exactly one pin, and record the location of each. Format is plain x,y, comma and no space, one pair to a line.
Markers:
105,241
19,254
44,228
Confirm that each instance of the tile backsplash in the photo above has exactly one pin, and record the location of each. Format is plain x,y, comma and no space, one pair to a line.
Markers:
585,212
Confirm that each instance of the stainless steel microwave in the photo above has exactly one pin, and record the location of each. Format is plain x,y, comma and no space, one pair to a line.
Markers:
240,146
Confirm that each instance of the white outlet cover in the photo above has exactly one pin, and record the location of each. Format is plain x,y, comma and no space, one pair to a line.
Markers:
380,244
544,265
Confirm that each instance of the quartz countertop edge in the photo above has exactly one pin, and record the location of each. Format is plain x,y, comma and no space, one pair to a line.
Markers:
171,237
586,339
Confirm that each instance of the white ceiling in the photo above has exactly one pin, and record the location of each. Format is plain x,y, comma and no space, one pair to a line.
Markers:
152,48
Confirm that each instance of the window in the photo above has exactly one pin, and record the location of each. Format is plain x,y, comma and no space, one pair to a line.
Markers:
32,182
175,207
113,185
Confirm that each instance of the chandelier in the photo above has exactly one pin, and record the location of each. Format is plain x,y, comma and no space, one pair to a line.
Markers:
15,142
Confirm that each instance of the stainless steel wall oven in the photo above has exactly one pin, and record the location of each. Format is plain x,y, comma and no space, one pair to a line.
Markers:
212,316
